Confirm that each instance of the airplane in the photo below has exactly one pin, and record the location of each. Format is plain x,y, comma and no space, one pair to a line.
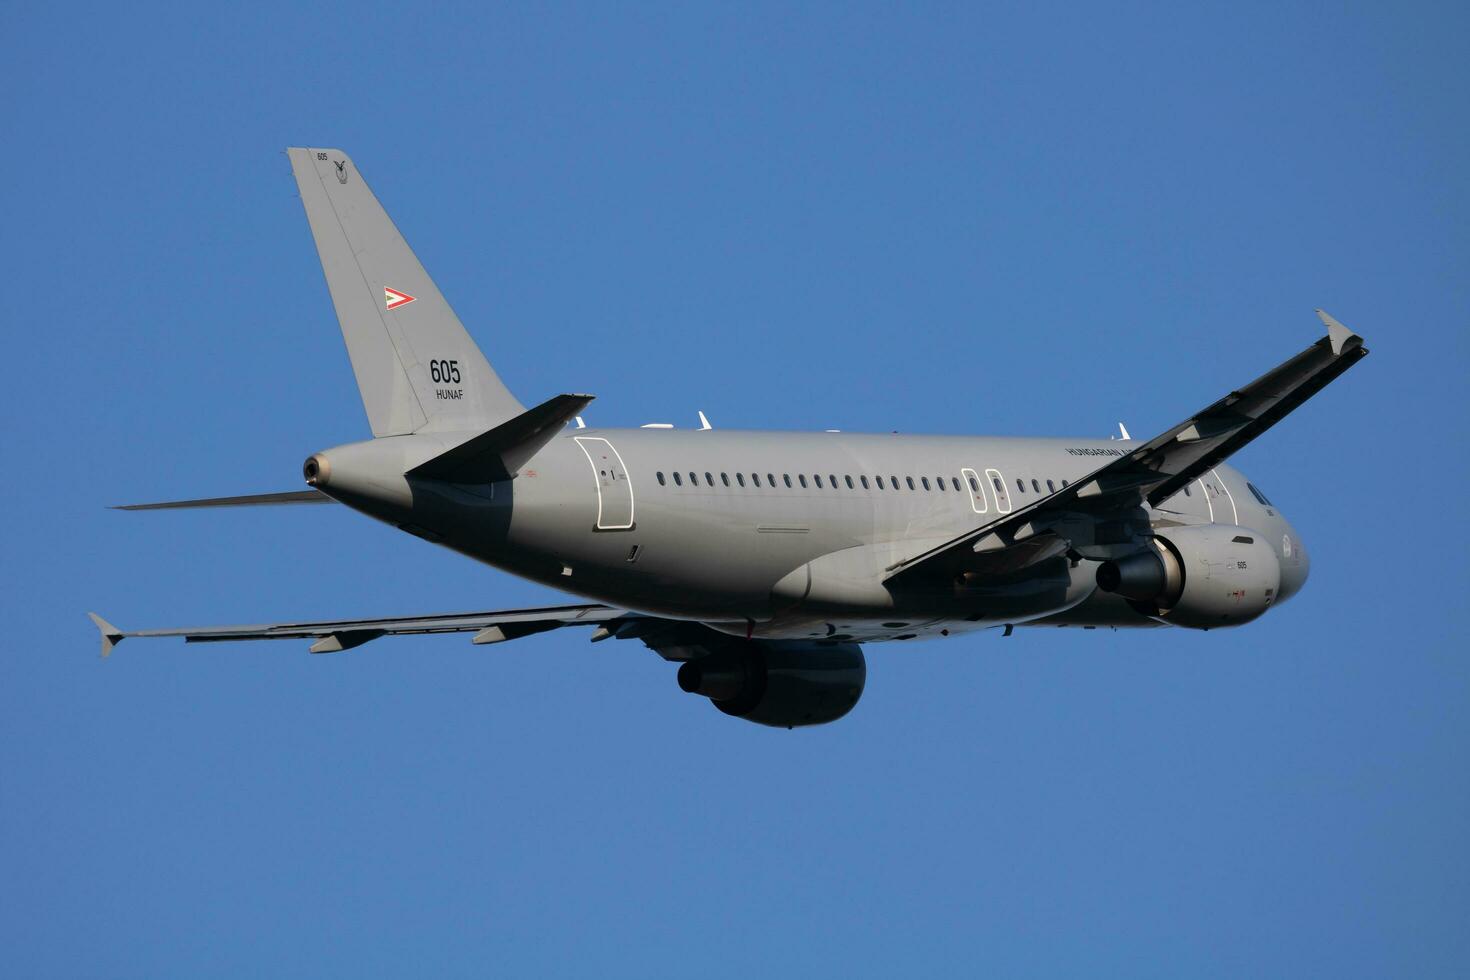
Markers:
762,562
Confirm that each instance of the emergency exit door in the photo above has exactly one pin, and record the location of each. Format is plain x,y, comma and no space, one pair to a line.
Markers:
614,491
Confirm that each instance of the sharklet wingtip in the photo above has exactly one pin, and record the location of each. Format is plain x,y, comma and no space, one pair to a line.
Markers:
1339,336
111,635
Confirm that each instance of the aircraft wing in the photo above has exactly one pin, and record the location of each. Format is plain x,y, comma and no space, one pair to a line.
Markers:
1151,473
334,635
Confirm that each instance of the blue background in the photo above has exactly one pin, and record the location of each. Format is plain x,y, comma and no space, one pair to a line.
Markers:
1029,220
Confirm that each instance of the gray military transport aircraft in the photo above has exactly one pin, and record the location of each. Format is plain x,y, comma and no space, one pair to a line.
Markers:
760,561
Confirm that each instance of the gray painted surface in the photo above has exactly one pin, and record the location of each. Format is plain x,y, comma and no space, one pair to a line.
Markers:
399,329
771,553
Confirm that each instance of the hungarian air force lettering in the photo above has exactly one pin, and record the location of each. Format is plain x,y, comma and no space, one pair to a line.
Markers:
394,299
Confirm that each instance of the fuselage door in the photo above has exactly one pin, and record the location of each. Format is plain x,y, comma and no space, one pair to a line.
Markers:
977,490
614,490
998,486
1222,501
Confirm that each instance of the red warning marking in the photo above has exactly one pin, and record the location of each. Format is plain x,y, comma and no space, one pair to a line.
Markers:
394,299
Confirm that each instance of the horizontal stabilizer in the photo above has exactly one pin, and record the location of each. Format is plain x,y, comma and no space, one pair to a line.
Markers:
500,453
249,500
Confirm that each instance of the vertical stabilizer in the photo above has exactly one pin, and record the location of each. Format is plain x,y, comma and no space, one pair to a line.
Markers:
416,366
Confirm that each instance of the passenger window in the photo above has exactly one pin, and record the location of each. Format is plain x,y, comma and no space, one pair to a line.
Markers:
786,478
818,478
925,481
879,481
725,479
660,476
709,478
893,481
1019,485
864,481
678,480
939,482
910,481
755,479
1035,486
771,480
801,478
995,482
1051,487
693,480
1065,483
833,478
956,481
740,478
849,482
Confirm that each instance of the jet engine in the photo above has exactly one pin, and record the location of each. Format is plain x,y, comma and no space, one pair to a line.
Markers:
782,684
1201,577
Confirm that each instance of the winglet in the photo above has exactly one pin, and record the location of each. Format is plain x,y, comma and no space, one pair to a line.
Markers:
111,635
1338,335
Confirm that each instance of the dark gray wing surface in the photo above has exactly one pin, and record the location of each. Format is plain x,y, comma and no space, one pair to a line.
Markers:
1153,472
249,500
334,635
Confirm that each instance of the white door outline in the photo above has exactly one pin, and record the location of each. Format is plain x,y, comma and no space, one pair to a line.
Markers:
1002,496
977,501
614,489
1228,496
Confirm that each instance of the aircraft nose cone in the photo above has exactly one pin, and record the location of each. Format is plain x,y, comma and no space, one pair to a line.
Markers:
1295,565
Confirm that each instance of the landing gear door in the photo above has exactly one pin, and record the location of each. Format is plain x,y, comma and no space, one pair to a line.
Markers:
614,490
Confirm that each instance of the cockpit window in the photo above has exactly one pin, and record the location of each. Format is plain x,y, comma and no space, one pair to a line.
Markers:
1258,495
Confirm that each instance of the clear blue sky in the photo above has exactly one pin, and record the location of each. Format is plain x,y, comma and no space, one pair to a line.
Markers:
1027,219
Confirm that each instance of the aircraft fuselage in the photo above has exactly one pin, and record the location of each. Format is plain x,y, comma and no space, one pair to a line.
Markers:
786,535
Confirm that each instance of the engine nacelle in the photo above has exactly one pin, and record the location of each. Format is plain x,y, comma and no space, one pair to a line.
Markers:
1202,577
783,684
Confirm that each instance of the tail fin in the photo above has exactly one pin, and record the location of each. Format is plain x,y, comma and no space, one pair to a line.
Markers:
416,366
